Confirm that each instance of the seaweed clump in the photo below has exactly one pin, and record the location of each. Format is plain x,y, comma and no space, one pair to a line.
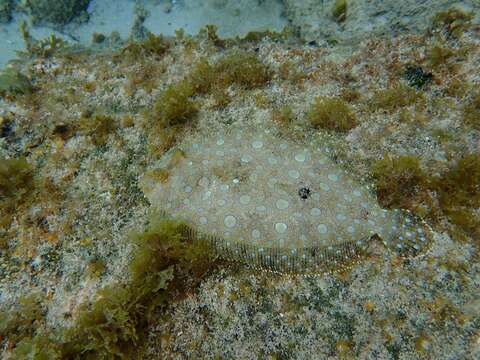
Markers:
339,10
97,128
454,194
439,56
13,82
243,69
395,97
152,46
166,263
459,193
332,114
6,8
284,116
16,181
58,12
173,110
174,106
471,111
453,22
398,180
21,320
236,68
43,48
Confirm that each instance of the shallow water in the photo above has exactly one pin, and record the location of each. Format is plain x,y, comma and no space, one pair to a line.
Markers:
317,260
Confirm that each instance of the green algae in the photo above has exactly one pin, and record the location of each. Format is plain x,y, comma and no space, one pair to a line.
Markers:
459,193
471,110
339,10
15,178
257,36
43,48
13,82
174,105
454,22
332,114
398,180
210,32
95,268
455,193
441,56
243,69
21,320
6,8
47,47
239,68
395,97
98,128
16,182
153,46
283,116
165,263
175,108
58,12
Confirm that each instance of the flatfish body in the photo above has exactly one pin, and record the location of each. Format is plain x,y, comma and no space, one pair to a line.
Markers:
276,204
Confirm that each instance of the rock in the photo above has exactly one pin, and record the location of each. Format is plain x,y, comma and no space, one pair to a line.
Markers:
316,21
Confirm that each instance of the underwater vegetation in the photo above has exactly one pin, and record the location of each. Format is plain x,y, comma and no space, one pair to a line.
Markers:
395,97
21,321
173,110
332,114
398,180
471,110
43,48
241,68
402,183
165,264
459,193
97,127
339,10
177,106
58,12
453,22
6,8
152,46
15,178
13,82
440,56
283,116
174,106
16,181
27,198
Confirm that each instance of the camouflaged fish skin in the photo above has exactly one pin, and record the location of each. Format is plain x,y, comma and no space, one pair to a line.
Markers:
278,205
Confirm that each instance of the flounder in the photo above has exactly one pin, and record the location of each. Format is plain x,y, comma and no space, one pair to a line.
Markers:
276,204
